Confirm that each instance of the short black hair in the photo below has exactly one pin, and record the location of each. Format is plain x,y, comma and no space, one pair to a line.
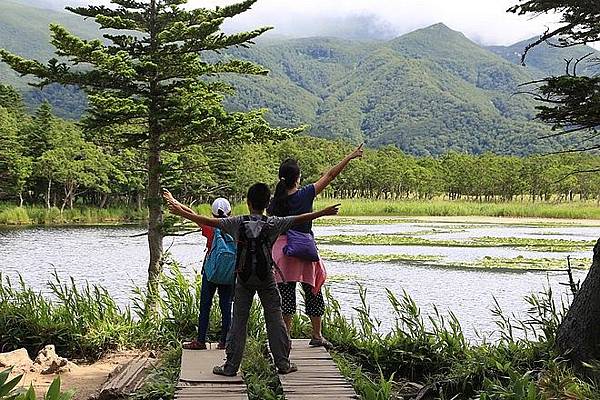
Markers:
259,196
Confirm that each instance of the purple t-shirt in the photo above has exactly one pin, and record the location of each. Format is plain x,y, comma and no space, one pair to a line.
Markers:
301,202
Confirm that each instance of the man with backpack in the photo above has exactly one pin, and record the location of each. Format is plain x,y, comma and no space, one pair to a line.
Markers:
218,274
255,235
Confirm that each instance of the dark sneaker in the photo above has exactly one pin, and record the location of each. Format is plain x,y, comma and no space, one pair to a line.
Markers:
194,345
220,370
320,342
292,368
221,346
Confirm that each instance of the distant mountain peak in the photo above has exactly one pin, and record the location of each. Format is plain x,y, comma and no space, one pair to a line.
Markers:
439,26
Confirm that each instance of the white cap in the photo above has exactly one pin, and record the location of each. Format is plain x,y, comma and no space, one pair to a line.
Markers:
222,205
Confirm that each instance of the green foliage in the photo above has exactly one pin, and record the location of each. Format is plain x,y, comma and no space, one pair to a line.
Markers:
546,59
570,101
8,391
531,244
260,374
431,350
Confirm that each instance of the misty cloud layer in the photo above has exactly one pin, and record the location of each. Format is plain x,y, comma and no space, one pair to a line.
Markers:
486,22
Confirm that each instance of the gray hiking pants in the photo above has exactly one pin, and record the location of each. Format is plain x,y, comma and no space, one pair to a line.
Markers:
279,341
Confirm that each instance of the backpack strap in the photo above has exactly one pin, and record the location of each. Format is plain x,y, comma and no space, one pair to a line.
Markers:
242,246
266,248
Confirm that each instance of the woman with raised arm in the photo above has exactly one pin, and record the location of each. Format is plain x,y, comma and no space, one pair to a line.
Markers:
295,253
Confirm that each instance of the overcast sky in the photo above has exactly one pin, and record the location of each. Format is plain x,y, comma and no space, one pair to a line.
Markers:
484,21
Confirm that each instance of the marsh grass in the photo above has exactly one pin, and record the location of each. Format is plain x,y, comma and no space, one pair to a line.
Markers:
433,351
446,208
534,244
376,258
10,215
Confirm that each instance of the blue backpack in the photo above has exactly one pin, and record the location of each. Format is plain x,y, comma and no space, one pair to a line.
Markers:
219,266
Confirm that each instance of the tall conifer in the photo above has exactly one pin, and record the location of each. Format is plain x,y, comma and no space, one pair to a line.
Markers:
149,85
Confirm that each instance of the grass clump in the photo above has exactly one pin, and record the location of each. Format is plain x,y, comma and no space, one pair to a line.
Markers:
432,354
518,263
523,263
8,391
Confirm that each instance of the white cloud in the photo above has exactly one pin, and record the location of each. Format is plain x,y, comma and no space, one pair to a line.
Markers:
485,21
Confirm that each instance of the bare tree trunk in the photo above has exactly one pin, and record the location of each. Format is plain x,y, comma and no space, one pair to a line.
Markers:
578,336
20,199
139,200
48,192
103,200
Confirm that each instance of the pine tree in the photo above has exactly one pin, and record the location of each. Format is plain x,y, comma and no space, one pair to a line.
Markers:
11,99
38,134
150,87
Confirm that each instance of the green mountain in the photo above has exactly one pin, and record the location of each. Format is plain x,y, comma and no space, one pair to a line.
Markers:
24,31
428,92
548,60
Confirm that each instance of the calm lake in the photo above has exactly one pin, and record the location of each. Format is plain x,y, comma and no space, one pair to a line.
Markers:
111,257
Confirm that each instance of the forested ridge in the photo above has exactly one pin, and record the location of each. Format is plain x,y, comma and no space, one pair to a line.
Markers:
45,160
428,92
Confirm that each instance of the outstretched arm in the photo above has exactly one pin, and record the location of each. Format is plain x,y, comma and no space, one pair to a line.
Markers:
170,199
330,175
200,220
302,218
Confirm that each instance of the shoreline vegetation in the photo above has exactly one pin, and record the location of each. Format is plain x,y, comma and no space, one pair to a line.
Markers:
354,211
421,353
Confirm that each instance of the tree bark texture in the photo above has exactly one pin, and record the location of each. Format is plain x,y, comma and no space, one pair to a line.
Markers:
578,336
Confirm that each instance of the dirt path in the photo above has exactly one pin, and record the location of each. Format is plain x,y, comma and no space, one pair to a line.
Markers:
84,379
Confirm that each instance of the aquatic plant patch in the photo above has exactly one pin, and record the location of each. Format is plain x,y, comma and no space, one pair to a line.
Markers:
375,258
524,263
545,245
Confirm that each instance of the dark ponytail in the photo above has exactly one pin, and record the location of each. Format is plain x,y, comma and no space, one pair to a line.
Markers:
289,172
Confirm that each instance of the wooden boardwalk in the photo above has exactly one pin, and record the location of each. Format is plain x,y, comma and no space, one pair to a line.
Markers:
196,380
318,376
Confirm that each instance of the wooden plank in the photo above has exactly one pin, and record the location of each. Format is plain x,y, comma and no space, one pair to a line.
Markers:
126,379
318,377
197,381
197,366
